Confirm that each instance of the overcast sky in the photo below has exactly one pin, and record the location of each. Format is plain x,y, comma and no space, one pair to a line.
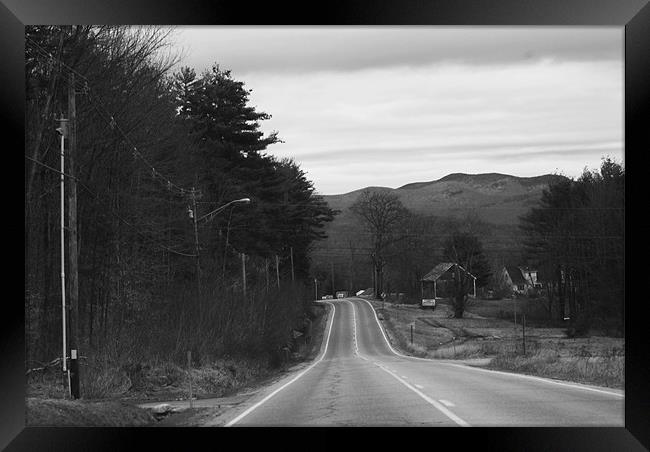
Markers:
387,106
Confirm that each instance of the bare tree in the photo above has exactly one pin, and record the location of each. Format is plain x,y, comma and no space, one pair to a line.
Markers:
383,214
466,251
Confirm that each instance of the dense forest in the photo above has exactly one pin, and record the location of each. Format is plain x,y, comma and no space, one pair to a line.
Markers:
168,259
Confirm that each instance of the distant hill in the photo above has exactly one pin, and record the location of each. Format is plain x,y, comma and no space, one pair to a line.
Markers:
496,198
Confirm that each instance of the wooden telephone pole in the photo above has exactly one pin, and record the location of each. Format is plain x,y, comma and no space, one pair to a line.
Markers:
243,272
73,249
195,216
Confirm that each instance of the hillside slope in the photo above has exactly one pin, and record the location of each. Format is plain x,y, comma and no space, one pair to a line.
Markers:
496,198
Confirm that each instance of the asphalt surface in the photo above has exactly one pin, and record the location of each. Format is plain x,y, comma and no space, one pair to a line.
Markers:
359,380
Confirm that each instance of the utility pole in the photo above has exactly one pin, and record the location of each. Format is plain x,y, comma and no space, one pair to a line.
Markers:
63,131
196,246
277,269
293,276
523,330
73,249
316,288
374,280
243,272
332,276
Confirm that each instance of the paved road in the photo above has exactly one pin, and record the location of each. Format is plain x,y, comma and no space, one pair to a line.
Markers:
358,380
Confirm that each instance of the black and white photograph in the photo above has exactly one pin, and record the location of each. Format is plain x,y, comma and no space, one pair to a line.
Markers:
342,226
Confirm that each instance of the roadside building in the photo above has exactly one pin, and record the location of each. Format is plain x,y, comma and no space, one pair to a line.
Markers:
520,280
440,281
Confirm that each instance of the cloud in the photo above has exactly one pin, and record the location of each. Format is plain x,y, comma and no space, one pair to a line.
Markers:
389,106
336,48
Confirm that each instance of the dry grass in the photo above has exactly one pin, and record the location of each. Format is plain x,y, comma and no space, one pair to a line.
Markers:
57,412
595,360
107,378
607,370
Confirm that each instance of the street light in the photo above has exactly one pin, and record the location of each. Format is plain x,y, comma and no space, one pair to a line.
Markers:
209,216
219,209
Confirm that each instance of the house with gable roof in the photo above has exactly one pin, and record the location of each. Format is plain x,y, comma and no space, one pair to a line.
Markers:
440,283
520,280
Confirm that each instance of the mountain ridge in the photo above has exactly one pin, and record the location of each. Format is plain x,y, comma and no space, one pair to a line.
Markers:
497,198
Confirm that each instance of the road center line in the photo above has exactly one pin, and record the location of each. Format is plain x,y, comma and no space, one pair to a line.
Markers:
428,399
446,402
431,401
354,331
265,399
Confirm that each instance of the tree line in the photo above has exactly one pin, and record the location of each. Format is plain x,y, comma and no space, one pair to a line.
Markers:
574,237
157,150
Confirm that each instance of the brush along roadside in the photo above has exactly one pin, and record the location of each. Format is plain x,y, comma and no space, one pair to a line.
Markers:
113,390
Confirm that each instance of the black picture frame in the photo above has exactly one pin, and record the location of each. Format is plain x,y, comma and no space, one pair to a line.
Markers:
633,15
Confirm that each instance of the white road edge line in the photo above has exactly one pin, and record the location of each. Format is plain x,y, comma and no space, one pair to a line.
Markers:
265,399
529,377
428,399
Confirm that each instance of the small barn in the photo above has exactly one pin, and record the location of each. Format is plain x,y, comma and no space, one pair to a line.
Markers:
439,282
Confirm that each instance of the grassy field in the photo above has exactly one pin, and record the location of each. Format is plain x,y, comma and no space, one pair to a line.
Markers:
488,335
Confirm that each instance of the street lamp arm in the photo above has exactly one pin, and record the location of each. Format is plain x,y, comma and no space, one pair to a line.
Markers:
219,209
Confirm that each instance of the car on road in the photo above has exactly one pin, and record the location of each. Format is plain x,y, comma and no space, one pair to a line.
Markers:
428,303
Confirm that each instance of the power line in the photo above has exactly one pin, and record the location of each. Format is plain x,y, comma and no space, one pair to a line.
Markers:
43,52
112,211
112,123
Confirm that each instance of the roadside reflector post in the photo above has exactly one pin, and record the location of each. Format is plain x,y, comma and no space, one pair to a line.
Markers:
412,333
189,373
